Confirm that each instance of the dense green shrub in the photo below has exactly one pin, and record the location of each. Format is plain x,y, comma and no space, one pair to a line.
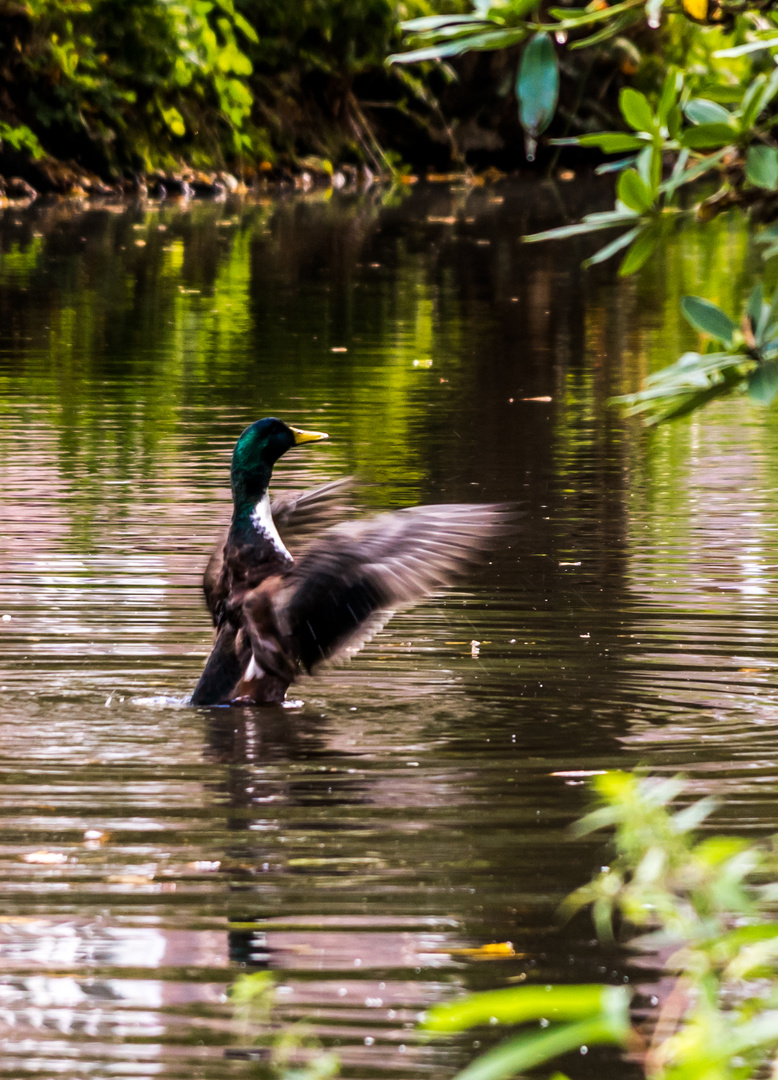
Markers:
129,85
125,84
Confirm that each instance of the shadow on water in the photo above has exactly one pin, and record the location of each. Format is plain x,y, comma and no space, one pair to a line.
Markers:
414,804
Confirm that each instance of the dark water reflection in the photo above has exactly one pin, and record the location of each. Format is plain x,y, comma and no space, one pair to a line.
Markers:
415,803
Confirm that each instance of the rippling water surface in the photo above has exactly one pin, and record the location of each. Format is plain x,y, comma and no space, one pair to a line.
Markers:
414,804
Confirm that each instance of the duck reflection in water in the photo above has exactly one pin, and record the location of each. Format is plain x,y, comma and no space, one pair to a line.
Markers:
275,616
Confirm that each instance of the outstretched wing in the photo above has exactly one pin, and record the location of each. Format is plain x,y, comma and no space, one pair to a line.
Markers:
298,515
352,580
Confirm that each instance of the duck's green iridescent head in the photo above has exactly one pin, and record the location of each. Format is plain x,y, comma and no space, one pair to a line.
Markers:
256,452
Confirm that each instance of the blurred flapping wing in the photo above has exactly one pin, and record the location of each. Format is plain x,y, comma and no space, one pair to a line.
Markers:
301,516
359,573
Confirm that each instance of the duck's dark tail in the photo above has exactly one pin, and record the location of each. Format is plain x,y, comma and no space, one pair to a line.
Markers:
224,668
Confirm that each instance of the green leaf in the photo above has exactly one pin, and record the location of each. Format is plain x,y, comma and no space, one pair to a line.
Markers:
573,18
453,30
636,110
611,248
174,121
245,27
772,315
640,252
750,102
649,167
525,1051
433,22
669,95
674,179
708,137
490,39
707,317
605,218
633,192
763,383
751,46
537,86
674,122
702,111
762,167
518,1004
595,224
692,816
615,166
694,172
756,307
611,142
611,30
768,92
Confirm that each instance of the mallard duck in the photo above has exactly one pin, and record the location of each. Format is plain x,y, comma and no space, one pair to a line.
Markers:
275,616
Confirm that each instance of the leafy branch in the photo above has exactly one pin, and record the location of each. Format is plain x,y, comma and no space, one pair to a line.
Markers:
744,355
707,900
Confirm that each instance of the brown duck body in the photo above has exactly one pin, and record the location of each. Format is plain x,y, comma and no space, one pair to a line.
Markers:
275,616
244,576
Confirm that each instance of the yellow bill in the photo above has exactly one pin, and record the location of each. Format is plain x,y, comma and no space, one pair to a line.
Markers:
301,436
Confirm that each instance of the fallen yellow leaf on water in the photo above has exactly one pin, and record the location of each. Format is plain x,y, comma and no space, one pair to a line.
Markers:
494,951
45,858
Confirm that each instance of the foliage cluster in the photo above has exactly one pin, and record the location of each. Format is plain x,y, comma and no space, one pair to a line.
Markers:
123,85
739,356
131,86
707,902
252,996
711,116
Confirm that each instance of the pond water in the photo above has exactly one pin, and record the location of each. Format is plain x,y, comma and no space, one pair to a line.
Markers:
414,804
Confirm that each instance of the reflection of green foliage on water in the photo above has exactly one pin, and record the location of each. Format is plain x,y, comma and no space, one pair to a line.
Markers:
157,311
294,1053
736,355
19,261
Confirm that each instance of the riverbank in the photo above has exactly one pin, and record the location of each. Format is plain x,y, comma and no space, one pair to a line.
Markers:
52,180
